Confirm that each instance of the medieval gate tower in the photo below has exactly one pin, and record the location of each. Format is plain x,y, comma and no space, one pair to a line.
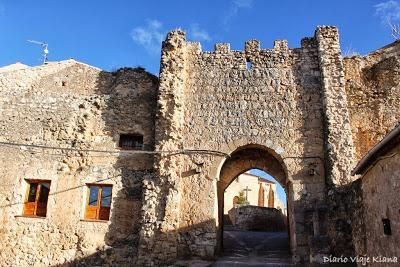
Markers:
280,110
304,115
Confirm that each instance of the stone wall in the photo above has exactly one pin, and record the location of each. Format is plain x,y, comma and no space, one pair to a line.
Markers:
292,112
254,218
215,103
247,102
380,190
231,106
373,94
72,105
346,219
338,139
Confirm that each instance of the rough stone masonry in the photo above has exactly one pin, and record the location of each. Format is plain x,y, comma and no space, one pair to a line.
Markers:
305,115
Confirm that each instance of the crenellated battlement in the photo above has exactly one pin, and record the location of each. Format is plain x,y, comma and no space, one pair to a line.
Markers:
222,47
251,55
250,47
169,147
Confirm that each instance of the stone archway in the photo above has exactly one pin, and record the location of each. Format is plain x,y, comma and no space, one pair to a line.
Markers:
243,159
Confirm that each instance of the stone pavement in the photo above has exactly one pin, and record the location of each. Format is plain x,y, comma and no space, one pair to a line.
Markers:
246,248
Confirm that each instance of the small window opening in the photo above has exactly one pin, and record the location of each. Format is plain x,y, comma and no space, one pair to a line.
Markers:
98,202
36,198
63,83
131,141
249,65
387,230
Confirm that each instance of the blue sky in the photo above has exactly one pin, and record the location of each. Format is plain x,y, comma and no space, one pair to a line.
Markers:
112,34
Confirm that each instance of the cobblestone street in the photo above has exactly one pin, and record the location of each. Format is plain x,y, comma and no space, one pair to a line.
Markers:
246,248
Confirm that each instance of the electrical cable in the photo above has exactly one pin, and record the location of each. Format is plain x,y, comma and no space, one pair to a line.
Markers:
179,151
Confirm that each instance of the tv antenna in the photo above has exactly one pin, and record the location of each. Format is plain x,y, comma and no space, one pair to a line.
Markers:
45,49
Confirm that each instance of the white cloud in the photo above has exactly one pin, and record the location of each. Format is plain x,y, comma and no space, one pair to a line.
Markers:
152,34
149,36
198,34
234,9
388,11
243,3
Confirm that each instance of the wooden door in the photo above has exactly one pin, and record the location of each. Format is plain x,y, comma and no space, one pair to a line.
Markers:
92,202
30,199
42,197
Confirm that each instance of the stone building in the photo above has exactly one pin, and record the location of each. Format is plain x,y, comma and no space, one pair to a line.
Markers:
260,192
74,106
128,169
381,177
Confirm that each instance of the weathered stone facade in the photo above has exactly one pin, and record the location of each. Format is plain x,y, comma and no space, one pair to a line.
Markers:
373,94
378,237
208,118
72,105
382,179
254,218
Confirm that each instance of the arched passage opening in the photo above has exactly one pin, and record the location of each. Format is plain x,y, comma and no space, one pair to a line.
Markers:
241,161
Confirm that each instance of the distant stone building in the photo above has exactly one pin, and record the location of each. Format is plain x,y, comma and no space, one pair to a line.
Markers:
260,192
128,169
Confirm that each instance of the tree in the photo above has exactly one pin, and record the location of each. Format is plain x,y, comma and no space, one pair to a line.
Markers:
241,198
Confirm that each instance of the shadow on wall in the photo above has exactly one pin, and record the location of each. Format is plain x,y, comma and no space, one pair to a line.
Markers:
123,251
331,213
346,216
255,218
127,101
129,110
